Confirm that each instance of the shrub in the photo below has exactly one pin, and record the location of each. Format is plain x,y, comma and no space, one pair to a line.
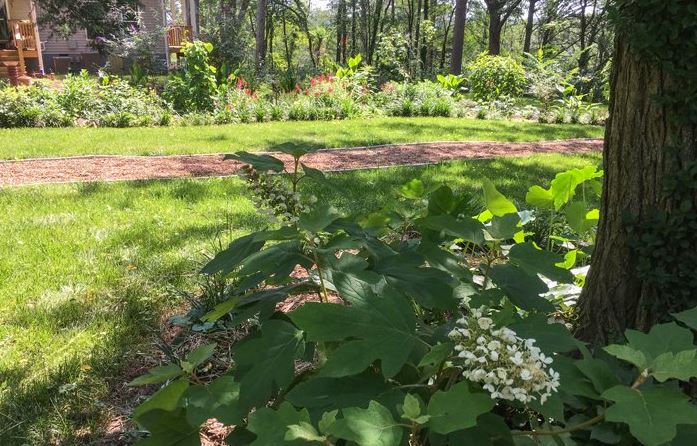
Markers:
422,99
195,87
491,77
437,323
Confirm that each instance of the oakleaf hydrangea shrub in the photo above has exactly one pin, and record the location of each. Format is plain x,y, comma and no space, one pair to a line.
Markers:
432,323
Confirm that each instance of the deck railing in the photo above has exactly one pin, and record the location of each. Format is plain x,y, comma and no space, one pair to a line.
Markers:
24,31
177,35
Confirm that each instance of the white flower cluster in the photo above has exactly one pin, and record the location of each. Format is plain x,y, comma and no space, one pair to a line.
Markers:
509,367
272,198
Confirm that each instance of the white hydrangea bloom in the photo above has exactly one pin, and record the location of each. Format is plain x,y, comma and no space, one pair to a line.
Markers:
508,367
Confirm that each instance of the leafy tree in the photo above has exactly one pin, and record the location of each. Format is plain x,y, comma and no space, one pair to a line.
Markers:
103,18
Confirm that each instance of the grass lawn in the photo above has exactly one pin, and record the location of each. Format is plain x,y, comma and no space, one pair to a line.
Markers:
38,143
87,270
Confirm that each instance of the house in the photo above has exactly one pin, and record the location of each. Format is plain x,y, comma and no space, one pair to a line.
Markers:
30,48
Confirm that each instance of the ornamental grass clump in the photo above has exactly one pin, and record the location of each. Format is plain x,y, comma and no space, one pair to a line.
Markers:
508,366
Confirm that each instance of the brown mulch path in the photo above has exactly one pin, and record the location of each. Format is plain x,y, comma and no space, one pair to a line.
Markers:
110,168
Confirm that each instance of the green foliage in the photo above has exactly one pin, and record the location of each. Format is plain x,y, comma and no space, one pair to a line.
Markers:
108,101
491,77
195,88
387,360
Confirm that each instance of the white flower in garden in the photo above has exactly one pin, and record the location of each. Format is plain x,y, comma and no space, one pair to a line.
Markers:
508,367
484,323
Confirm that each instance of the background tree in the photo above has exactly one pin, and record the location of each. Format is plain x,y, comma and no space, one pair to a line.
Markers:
260,54
499,13
529,25
458,36
643,264
103,18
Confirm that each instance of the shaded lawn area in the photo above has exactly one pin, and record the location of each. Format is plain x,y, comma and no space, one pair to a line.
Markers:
46,143
87,270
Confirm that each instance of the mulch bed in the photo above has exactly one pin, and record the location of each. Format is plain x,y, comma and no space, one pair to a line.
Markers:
113,168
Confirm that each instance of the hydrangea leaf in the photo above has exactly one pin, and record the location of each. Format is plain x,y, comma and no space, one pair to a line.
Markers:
688,317
521,288
304,431
318,218
598,372
662,338
550,338
337,393
267,362
682,366
652,413
373,426
219,399
467,229
229,258
666,352
383,327
271,426
169,428
536,261
429,286
168,399
457,408
491,430
496,202
262,163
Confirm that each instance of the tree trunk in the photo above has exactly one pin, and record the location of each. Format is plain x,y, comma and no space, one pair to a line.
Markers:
424,44
637,163
495,26
458,36
529,26
260,54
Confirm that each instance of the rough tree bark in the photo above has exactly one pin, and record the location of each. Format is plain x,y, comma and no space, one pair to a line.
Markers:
636,163
458,36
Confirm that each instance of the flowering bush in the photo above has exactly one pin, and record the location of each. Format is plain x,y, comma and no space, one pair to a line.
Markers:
422,326
509,367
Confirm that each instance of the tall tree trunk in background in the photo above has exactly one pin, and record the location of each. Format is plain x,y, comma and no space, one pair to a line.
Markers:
637,164
423,50
446,34
527,45
341,32
495,27
353,27
458,36
499,12
260,54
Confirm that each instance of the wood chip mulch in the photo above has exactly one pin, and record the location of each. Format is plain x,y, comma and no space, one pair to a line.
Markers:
112,168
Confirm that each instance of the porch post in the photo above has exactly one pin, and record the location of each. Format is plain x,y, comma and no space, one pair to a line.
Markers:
191,4
37,36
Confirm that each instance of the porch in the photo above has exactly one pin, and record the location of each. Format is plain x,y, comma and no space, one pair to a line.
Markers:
21,44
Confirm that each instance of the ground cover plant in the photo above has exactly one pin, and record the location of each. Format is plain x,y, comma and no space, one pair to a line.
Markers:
88,269
37,143
439,322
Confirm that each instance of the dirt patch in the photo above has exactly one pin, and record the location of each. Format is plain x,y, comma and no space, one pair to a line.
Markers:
113,168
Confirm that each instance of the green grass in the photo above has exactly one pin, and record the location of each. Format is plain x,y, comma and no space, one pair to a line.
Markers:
35,143
87,270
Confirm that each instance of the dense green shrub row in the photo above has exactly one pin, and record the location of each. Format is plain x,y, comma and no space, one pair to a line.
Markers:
200,95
